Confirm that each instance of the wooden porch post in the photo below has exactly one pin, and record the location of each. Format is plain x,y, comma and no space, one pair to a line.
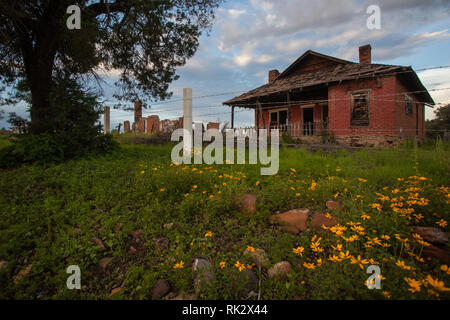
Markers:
232,117
257,119
289,116
261,113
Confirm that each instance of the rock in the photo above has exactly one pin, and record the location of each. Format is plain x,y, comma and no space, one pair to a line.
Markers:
436,253
293,221
160,289
259,257
175,296
22,274
104,263
115,291
137,235
203,274
432,235
280,270
3,265
247,203
251,281
333,205
161,244
118,226
99,243
168,226
320,219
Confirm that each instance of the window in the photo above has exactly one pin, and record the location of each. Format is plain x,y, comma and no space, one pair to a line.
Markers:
278,118
408,105
360,109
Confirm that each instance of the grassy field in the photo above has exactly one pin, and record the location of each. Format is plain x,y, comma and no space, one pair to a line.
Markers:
50,215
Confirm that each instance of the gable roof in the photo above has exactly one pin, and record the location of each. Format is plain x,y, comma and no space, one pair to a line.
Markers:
342,70
303,57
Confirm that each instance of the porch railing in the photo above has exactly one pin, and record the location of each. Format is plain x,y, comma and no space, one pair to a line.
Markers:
303,128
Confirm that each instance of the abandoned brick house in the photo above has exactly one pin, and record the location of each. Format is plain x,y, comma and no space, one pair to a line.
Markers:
358,103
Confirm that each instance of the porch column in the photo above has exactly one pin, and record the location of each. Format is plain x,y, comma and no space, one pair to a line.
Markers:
289,117
262,114
232,117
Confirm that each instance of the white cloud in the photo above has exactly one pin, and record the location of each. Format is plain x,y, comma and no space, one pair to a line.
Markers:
438,79
234,13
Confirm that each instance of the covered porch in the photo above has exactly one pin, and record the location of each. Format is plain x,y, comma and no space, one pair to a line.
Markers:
297,112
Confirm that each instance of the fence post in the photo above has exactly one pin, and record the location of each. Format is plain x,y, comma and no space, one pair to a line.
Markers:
106,120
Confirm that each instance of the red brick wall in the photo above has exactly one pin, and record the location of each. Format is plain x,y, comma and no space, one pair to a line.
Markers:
409,123
382,112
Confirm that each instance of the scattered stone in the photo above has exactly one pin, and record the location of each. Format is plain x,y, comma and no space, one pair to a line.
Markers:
137,235
99,244
133,249
247,203
436,253
202,273
104,263
118,226
175,296
432,235
319,219
115,291
280,270
251,281
293,221
161,244
160,289
3,265
168,226
259,257
333,205
22,274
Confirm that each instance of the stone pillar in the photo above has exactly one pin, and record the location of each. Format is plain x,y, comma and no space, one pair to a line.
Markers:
137,111
126,126
106,120
141,125
152,124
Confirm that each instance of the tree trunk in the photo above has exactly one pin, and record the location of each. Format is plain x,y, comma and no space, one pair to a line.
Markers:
39,76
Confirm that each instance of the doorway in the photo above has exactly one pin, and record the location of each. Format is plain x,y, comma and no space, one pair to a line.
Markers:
308,121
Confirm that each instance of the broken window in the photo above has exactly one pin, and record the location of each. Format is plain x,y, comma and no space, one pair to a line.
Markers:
408,105
360,109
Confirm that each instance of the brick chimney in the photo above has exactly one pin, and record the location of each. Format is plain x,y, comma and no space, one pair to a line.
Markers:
365,54
273,74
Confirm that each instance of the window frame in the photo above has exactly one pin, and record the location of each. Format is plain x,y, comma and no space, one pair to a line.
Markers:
359,123
411,101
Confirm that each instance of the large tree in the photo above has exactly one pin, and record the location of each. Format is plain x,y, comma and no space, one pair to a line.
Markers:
145,40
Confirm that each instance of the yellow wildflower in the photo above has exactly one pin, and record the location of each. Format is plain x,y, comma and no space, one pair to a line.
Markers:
298,250
401,264
439,285
240,266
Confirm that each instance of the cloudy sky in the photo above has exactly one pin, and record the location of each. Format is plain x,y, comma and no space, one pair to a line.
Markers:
250,37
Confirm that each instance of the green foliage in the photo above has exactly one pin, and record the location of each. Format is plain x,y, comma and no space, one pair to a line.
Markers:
440,124
49,215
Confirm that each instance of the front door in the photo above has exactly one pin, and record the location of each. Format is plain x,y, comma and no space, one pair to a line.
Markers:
308,121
